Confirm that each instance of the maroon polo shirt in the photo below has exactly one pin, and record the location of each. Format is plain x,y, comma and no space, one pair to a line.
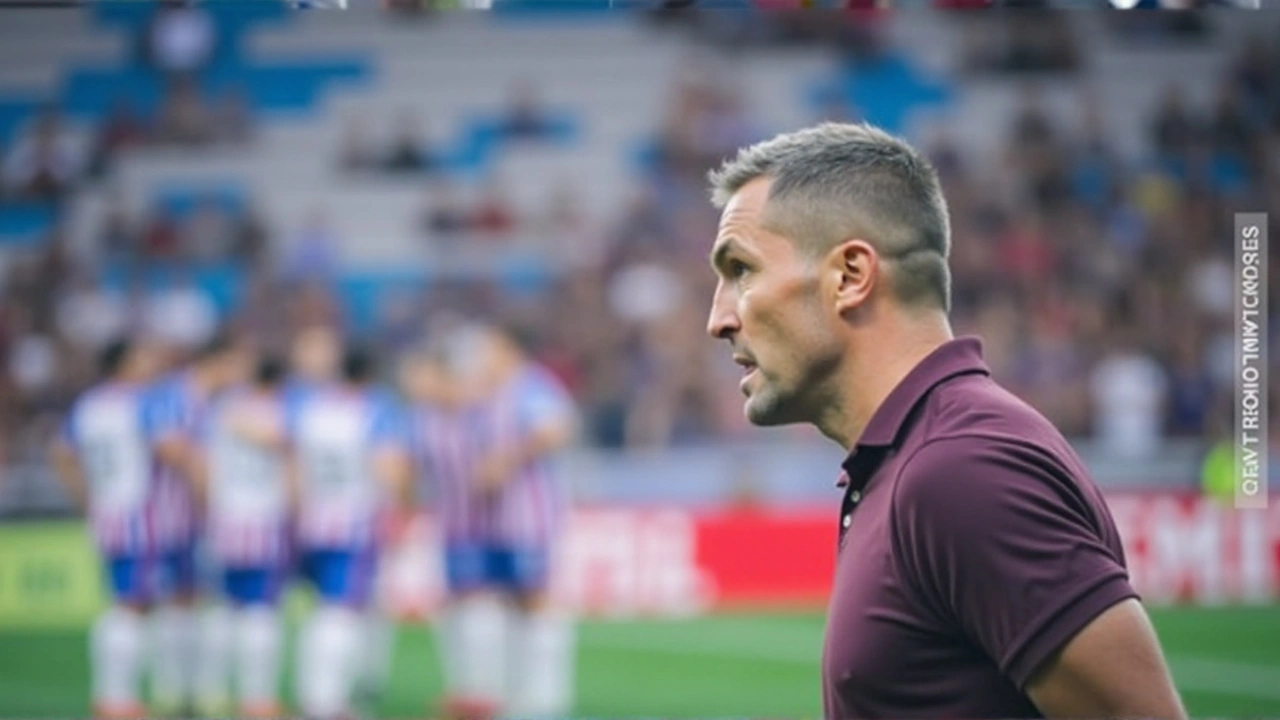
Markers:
973,544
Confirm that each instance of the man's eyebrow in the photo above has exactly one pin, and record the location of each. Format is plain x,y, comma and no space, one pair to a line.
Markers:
720,250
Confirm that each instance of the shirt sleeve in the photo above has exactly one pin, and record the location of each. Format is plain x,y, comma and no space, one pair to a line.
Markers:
67,430
163,414
388,431
1003,546
290,409
544,402
202,428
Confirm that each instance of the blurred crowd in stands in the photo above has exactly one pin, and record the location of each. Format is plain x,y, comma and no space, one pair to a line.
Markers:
1102,287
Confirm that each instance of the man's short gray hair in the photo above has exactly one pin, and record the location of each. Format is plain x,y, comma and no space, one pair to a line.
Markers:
836,182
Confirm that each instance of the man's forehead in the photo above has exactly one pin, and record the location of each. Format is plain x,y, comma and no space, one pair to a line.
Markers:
750,199
742,214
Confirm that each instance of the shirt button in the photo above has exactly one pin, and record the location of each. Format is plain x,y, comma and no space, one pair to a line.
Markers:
855,496
846,521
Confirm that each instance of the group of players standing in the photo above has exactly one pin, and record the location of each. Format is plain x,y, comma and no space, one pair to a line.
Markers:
210,485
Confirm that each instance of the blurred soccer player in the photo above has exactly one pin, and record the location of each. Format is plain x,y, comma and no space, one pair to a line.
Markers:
248,519
348,441
315,355
486,442
176,405
980,573
104,459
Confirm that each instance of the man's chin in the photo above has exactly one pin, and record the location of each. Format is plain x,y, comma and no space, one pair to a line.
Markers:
762,413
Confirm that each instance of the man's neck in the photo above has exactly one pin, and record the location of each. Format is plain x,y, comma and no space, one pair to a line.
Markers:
879,363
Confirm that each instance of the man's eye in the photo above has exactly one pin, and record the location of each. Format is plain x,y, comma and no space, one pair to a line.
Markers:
737,268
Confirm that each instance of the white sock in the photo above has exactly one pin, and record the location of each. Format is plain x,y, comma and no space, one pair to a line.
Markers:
327,662
215,657
115,650
474,649
258,655
543,658
173,635
379,644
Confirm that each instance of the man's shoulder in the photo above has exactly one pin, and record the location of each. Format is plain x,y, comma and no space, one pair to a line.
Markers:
977,406
977,438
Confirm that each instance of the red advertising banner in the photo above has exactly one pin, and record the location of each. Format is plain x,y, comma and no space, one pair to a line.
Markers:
675,561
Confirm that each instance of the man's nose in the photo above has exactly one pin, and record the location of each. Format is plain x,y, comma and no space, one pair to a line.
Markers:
723,320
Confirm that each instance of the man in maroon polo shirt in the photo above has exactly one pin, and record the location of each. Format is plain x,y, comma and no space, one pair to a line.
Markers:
979,572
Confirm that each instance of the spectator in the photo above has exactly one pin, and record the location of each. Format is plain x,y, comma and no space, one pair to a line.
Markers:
399,321
409,151
1173,129
1191,387
723,126
945,156
1230,130
118,238
181,39
232,118
1026,252
1032,127
1038,41
89,316
209,232
310,303
181,314
33,365
356,153
184,119
1129,391
563,213
1253,78
493,214
410,9
161,240
312,251
1094,165
564,228
44,163
121,129
677,145
251,238
444,215
525,117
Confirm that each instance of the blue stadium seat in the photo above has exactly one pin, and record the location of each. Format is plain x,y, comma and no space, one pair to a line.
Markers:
25,224
231,15
487,135
884,91
224,283
181,201
90,92
15,110
362,293
550,7
289,86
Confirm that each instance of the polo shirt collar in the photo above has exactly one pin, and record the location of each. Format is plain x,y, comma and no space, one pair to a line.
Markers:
960,356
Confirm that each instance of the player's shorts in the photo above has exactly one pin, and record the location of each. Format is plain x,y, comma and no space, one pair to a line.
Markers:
253,585
488,566
148,577
341,576
181,570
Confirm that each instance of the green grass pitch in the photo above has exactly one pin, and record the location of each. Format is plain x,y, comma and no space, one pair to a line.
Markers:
1226,662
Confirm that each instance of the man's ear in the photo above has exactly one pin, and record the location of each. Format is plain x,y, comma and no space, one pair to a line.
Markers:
855,267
